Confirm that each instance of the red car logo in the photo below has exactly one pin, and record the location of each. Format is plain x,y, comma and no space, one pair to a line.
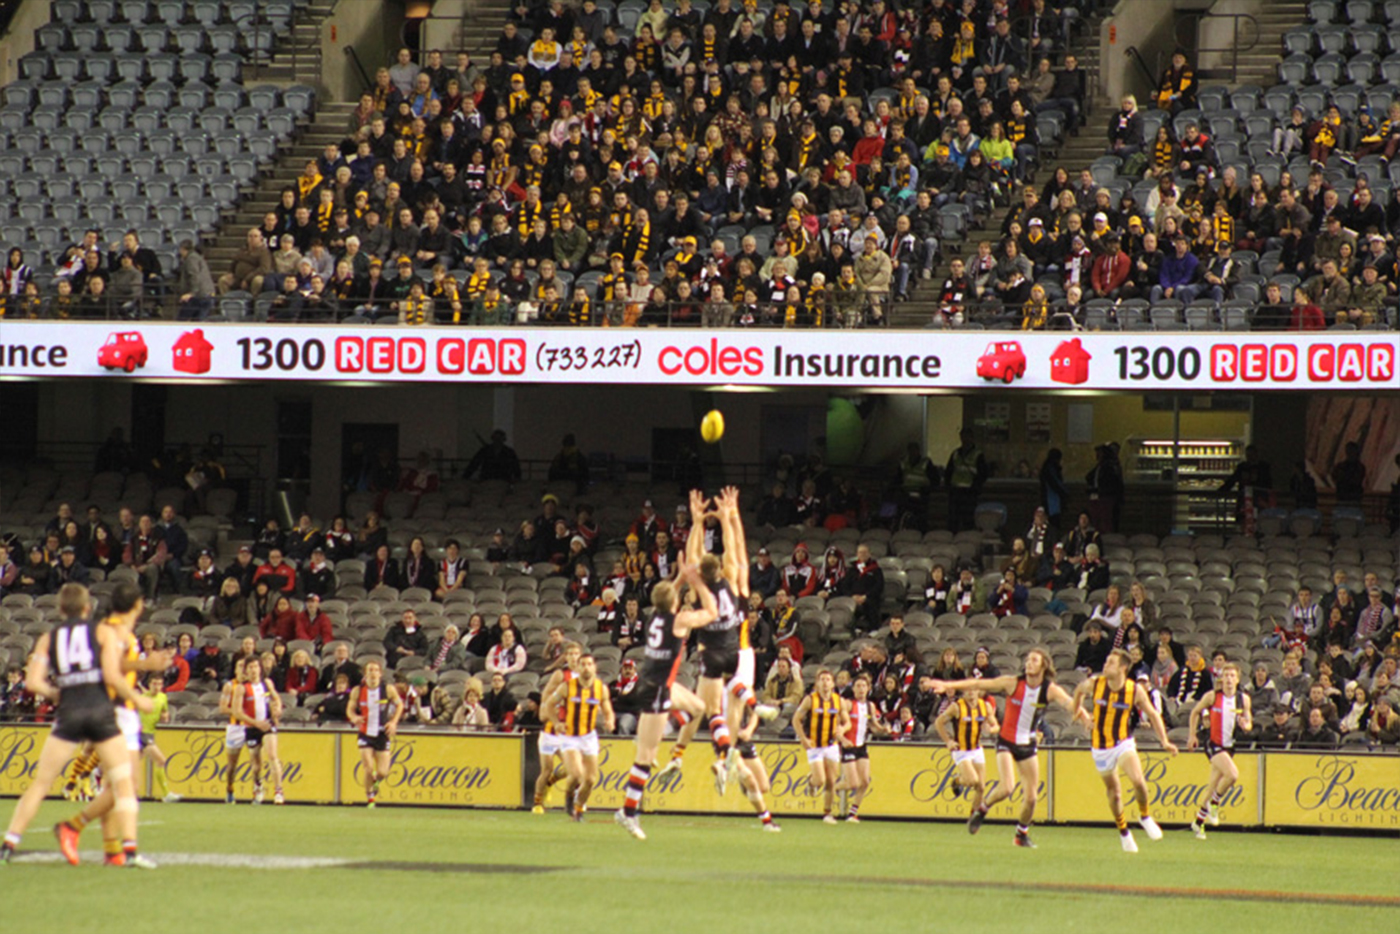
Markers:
1002,360
124,350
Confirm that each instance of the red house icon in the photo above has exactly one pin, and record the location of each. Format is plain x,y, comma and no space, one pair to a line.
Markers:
1070,363
192,352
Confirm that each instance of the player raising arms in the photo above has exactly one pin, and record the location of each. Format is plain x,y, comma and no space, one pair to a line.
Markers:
85,661
818,722
1027,695
1113,697
663,653
582,698
127,607
739,691
726,654
855,757
374,709
973,713
551,763
1229,711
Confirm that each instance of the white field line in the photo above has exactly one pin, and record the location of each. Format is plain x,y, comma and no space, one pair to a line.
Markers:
217,860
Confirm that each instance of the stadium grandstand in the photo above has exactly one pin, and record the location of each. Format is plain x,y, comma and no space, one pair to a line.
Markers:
959,165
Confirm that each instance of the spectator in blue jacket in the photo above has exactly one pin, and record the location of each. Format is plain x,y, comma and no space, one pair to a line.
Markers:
1178,269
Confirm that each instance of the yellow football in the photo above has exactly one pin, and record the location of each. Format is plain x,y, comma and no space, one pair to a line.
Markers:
712,426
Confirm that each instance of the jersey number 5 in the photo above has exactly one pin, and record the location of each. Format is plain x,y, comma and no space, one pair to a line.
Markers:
656,632
73,649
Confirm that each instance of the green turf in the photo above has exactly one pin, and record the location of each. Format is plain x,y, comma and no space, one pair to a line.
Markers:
693,874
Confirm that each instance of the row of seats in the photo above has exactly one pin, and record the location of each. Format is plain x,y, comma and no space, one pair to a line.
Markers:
128,98
1248,100
105,66
208,13
1353,11
107,129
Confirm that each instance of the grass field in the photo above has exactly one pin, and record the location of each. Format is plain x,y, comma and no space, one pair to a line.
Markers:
340,869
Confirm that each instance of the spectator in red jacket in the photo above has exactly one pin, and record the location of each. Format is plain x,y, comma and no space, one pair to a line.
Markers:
1111,271
302,677
800,579
177,676
313,625
1306,316
282,576
281,623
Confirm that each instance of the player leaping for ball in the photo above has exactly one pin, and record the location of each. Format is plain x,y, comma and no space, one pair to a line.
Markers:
1113,698
726,652
1229,711
661,694
1027,695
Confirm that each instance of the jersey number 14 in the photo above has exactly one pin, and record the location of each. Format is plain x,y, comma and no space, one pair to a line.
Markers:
74,650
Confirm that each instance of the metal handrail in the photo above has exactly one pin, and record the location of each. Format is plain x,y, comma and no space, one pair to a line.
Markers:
354,57
258,61
1066,45
1195,18
240,461
917,314
253,22
419,23
1133,55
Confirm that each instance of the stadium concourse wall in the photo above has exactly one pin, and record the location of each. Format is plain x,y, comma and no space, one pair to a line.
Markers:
1315,789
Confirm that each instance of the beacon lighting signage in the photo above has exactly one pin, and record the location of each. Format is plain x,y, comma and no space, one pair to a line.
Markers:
1351,361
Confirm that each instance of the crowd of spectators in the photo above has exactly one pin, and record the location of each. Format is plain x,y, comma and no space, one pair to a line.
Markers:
786,165
438,614
1167,230
752,165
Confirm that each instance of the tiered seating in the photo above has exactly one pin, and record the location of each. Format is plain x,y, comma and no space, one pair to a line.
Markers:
1349,56
1224,593
135,115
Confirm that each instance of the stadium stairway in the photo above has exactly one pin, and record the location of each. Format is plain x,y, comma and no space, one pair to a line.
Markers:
1258,65
296,55
295,59
1073,152
479,29
327,126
